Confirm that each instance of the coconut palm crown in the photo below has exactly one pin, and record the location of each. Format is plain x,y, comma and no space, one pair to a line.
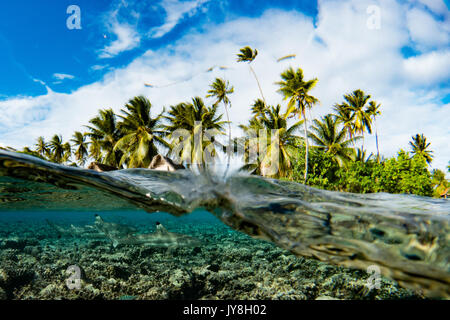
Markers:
327,136
420,147
140,133
247,54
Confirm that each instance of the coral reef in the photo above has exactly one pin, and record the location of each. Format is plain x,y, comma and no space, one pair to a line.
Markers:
227,265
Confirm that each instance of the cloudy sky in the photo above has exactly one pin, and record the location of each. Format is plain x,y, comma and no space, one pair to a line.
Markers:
54,79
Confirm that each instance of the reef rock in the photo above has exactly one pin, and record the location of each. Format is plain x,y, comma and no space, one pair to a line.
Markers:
3,295
162,163
100,167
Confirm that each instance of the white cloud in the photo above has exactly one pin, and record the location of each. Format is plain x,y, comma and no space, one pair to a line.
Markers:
127,35
429,68
348,56
127,38
98,67
175,11
63,76
425,31
436,6
40,81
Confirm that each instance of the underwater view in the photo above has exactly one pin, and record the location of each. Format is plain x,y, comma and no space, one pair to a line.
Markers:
185,154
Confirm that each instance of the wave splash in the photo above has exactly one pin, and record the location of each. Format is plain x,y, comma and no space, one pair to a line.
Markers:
407,237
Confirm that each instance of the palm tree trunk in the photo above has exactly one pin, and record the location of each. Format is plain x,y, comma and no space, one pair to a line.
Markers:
257,81
229,141
363,140
351,138
376,139
306,146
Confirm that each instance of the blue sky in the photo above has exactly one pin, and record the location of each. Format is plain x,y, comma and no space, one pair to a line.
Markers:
36,44
53,80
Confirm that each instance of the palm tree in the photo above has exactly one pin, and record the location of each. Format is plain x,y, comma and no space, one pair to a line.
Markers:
419,146
346,118
95,150
258,108
295,88
356,102
361,155
67,152
374,110
248,55
27,150
81,151
327,136
104,130
57,149
42,147
189,122
220,90
280,141
140,133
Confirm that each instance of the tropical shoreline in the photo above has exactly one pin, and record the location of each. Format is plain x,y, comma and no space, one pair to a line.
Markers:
277,142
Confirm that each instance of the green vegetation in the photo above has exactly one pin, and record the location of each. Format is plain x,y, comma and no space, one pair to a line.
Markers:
401,174
329,155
